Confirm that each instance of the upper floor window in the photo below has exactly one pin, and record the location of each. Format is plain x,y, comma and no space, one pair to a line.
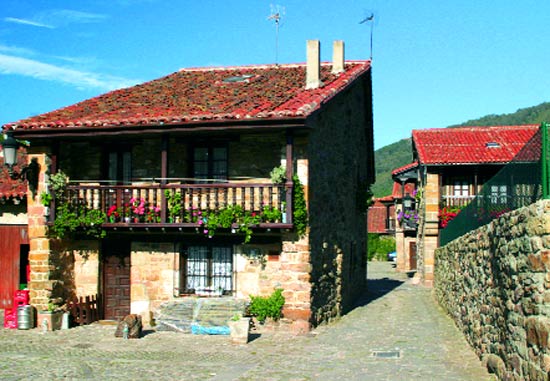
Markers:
461,188
210,163
499,194
119,165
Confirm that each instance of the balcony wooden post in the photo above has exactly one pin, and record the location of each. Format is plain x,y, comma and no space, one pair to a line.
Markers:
164,175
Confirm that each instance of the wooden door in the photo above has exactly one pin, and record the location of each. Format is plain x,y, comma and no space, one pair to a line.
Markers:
412,255
13,261
116,280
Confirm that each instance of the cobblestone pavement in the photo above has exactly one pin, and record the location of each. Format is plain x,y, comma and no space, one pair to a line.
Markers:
395,317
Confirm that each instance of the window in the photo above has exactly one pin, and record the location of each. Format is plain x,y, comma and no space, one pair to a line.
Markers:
461,188
210,163
205,268
119,166
499,194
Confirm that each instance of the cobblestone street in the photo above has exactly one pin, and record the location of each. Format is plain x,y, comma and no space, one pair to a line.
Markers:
396,318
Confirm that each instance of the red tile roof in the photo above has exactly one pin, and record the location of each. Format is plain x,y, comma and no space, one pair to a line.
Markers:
13,188
405,168
204,94
471,145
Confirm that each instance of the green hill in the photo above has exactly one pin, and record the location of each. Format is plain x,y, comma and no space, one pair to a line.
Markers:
398,154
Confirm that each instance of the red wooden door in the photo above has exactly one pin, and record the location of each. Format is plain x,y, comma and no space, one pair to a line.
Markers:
116,282
13,240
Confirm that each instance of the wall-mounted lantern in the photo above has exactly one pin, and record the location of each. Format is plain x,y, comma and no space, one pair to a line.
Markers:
30,172
408,202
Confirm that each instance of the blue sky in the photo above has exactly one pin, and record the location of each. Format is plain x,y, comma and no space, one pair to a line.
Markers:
435,63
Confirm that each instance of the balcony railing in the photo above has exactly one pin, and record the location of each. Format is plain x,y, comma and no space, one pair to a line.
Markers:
182,205
458,201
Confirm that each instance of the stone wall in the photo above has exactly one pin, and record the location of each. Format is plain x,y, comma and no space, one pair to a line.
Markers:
338,180
152,277
495,283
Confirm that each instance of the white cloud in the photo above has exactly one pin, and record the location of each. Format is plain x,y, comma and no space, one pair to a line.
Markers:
67,16
44,71
16,50
27,22
52,19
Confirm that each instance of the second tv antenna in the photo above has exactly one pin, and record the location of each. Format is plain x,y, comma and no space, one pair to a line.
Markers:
277,14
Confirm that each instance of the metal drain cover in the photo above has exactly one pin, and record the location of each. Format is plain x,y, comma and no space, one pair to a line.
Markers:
386,354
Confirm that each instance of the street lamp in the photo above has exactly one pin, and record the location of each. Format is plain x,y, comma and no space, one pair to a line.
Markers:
29,172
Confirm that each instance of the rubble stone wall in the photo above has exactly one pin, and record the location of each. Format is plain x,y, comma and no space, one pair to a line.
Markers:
495,284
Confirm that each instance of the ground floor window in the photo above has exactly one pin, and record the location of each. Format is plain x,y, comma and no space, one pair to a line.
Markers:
206,269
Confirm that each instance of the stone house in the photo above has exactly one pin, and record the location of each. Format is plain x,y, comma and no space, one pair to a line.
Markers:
450,166
404,187
180,169
381,216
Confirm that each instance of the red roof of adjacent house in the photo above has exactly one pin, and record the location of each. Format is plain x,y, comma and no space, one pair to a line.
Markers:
405,168
13,188
205,94
471,145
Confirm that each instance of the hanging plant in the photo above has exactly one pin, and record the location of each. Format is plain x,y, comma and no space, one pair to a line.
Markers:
299,216
71,216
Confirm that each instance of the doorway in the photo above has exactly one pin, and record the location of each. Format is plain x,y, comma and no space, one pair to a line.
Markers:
116,279
412,256
14,262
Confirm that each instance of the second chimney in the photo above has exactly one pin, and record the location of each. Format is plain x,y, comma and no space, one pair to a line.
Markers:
313,64
338,57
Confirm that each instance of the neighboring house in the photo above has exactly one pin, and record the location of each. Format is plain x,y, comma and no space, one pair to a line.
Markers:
406,216
381,216
169,158
14,246
451,166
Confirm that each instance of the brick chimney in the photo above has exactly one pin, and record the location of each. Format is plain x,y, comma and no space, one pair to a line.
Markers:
338,57
313,64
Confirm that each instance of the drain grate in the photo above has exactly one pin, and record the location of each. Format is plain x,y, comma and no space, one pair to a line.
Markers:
386,354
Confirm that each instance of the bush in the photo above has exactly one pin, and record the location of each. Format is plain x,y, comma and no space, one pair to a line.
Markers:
271,306
379,246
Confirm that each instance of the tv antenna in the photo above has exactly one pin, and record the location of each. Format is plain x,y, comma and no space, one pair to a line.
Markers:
370,19
277,13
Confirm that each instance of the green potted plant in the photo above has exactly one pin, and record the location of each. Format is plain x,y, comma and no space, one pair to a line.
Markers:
173,200
278,175
49,319
263,307
239,329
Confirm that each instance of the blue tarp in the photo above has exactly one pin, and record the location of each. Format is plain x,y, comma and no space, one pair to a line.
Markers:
200,330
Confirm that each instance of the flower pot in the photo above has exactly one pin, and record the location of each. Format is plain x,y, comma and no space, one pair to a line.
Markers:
48,320
239,330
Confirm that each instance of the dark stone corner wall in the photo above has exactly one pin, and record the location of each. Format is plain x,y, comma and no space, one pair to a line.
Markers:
338,153
495,283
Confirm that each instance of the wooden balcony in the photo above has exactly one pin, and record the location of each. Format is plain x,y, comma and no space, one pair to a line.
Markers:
157,205
456,201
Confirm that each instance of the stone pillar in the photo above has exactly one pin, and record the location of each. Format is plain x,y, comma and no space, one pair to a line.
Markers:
431,228
295,264
40,285
400,249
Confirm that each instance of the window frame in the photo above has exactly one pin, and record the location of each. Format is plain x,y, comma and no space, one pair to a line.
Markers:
210,161
209,262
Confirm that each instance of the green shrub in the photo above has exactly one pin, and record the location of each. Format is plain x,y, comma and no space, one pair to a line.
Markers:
379,246
267,306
